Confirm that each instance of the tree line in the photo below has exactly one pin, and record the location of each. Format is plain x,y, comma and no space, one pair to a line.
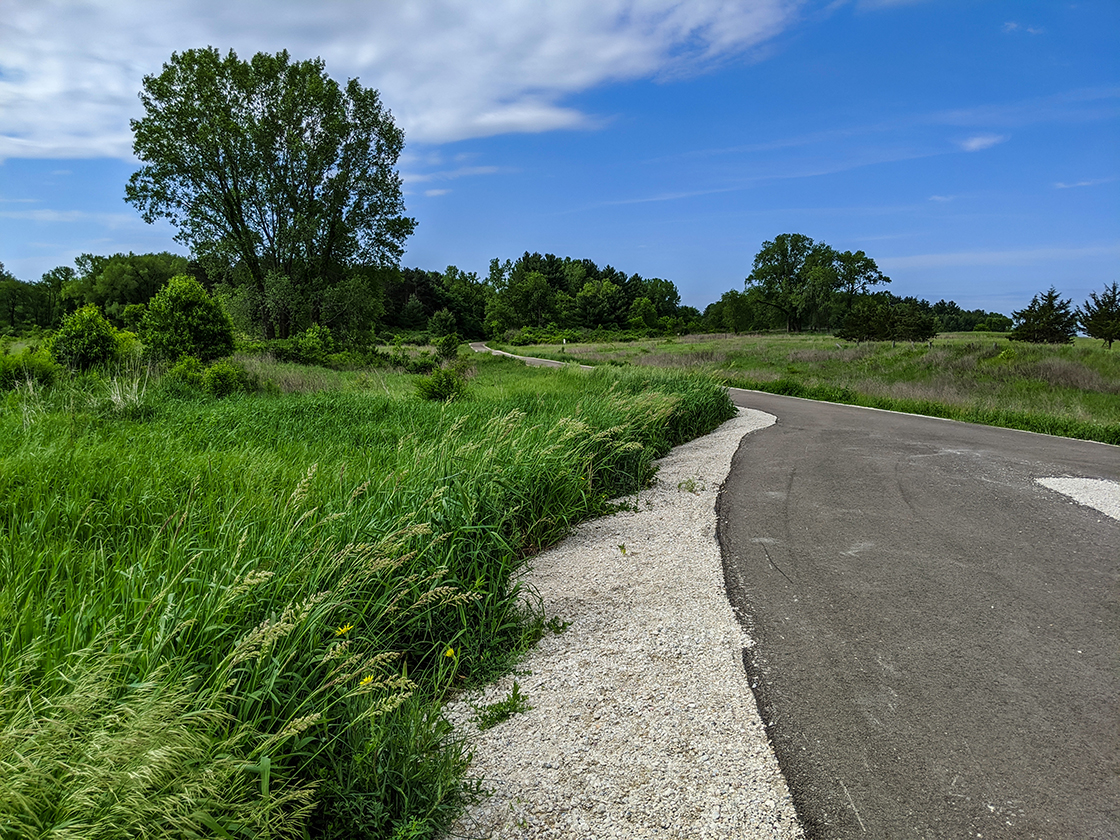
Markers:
795,285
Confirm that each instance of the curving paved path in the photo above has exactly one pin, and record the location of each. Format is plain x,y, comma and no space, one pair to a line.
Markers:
936,636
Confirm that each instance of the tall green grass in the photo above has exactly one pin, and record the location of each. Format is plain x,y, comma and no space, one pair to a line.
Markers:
239,618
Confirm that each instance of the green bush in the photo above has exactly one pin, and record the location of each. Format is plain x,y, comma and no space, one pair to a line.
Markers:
37,367
184,319
443,385
85,339
448,346
224,378
185,375
128,346
314,344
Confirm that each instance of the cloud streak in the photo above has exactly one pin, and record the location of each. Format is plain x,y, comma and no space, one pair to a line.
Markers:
1026,256
449,69
982,141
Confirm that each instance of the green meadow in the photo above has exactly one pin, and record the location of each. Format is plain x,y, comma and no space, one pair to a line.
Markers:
1071,390
240,617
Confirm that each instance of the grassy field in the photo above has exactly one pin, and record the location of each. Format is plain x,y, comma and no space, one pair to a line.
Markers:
240,617
1071,390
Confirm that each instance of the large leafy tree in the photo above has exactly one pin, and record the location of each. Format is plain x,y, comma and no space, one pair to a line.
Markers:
1047,320
1099,316
793,275
272,172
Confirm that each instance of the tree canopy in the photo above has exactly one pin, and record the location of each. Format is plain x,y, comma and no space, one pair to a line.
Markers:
121,280
810,282
1099,316
277,178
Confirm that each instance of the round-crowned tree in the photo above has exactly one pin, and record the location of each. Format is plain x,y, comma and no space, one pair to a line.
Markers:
85,339
182,319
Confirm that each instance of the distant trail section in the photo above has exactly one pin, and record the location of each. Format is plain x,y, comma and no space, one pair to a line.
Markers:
480,347
933,632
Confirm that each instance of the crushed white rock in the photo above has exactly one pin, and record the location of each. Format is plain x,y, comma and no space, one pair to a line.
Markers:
1099,493
642,723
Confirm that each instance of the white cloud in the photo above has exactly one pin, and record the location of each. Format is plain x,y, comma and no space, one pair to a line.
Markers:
448,69
941,198
434,193
982,141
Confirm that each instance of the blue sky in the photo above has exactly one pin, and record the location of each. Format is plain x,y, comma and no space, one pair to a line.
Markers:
971,148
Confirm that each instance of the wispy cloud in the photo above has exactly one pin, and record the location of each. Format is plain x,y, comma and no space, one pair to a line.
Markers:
70,70
1063,186
110,220
982,141
448,174
941,198
1012,26
1025,256
433,193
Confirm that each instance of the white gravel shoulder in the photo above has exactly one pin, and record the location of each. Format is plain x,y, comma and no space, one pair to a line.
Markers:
1099,493
642,723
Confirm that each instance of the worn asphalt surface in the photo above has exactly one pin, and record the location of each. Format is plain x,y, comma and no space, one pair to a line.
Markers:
936,637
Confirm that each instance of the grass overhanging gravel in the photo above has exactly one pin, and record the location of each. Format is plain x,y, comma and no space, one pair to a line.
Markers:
239,618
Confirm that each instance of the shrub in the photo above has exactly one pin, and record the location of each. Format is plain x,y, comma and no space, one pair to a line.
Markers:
224,378
185,375
421,364
85,339
447,347
444,385
314,344
184,319
37,367
128,346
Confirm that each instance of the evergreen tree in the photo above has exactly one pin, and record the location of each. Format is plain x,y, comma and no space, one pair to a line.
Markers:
1048,320
1099,317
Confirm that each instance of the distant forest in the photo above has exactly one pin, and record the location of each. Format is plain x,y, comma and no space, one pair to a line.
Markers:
537,297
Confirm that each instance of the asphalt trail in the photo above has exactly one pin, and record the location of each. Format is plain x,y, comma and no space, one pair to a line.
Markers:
936,637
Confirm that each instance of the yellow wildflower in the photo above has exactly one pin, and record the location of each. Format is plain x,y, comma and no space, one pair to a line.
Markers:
344,629
366,681
449,652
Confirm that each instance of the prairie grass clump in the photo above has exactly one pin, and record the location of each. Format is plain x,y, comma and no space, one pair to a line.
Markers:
231,617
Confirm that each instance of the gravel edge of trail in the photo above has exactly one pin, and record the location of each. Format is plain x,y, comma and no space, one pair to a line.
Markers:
1098,493
642,723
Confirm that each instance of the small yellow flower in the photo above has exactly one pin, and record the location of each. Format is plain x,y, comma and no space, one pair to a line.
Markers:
449,652
366,681
344,629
